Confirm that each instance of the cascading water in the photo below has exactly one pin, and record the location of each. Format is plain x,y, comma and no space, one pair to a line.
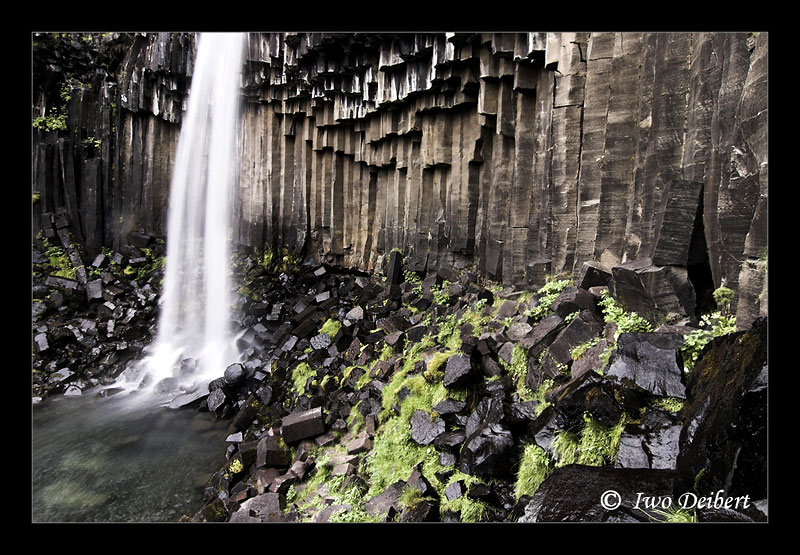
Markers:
195,322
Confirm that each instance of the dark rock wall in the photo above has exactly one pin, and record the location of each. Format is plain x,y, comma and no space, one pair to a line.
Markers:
521,154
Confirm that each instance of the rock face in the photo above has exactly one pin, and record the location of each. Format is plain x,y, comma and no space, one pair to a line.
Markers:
524,154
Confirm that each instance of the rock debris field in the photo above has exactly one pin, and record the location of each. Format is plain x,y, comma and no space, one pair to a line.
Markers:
402,397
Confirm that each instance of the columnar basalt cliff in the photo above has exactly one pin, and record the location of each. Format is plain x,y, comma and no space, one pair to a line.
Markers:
519,155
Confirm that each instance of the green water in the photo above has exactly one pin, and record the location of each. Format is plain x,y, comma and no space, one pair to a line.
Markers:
120,459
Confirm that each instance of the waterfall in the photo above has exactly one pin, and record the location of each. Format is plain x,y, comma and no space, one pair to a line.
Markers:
195,340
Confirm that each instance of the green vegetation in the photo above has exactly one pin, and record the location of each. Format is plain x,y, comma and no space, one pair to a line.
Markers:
669,404
548,293
627,322
440,293
597,445
534,467
331,327
55,119
280,259
300,375
577,352
718,323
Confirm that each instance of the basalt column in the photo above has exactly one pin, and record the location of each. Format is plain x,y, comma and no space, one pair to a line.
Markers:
521,155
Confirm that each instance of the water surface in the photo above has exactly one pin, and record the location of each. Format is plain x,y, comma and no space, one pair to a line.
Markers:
121,459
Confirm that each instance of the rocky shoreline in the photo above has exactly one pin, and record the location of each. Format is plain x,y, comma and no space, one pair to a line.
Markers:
439,397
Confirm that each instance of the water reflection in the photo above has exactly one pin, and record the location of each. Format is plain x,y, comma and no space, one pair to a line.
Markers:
121,459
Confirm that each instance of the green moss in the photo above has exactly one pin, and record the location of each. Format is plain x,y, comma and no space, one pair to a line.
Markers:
535,466
331,327
669,404
469,510
596,445
539,395
300,375
566,447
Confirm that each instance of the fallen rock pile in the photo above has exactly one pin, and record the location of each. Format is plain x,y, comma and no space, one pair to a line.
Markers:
402,397
439,397
90,316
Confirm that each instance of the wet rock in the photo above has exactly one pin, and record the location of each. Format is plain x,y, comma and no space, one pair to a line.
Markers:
425,510
590,360
654,292
166,385
723,444
458,371
580,330
653,444
449,440
425,428
196,393
247,413
652,361
234,374
488,445
216,399
543,334
301,425
593,394
575,493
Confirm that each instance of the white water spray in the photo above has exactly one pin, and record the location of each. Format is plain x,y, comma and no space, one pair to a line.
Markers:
195,319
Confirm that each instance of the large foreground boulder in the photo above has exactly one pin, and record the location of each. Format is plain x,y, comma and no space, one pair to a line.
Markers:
579,493
723,444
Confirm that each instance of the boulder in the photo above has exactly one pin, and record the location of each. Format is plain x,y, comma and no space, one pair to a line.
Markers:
581,329
272,452
259,508
300,425
652,444
386,503
723,444
652,361
680,216
234,374
656,293
573,299
579,493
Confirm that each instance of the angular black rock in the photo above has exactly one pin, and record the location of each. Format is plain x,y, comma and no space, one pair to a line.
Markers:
271,452
579,493
301,425
458,371
723,444
425,428
652,361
